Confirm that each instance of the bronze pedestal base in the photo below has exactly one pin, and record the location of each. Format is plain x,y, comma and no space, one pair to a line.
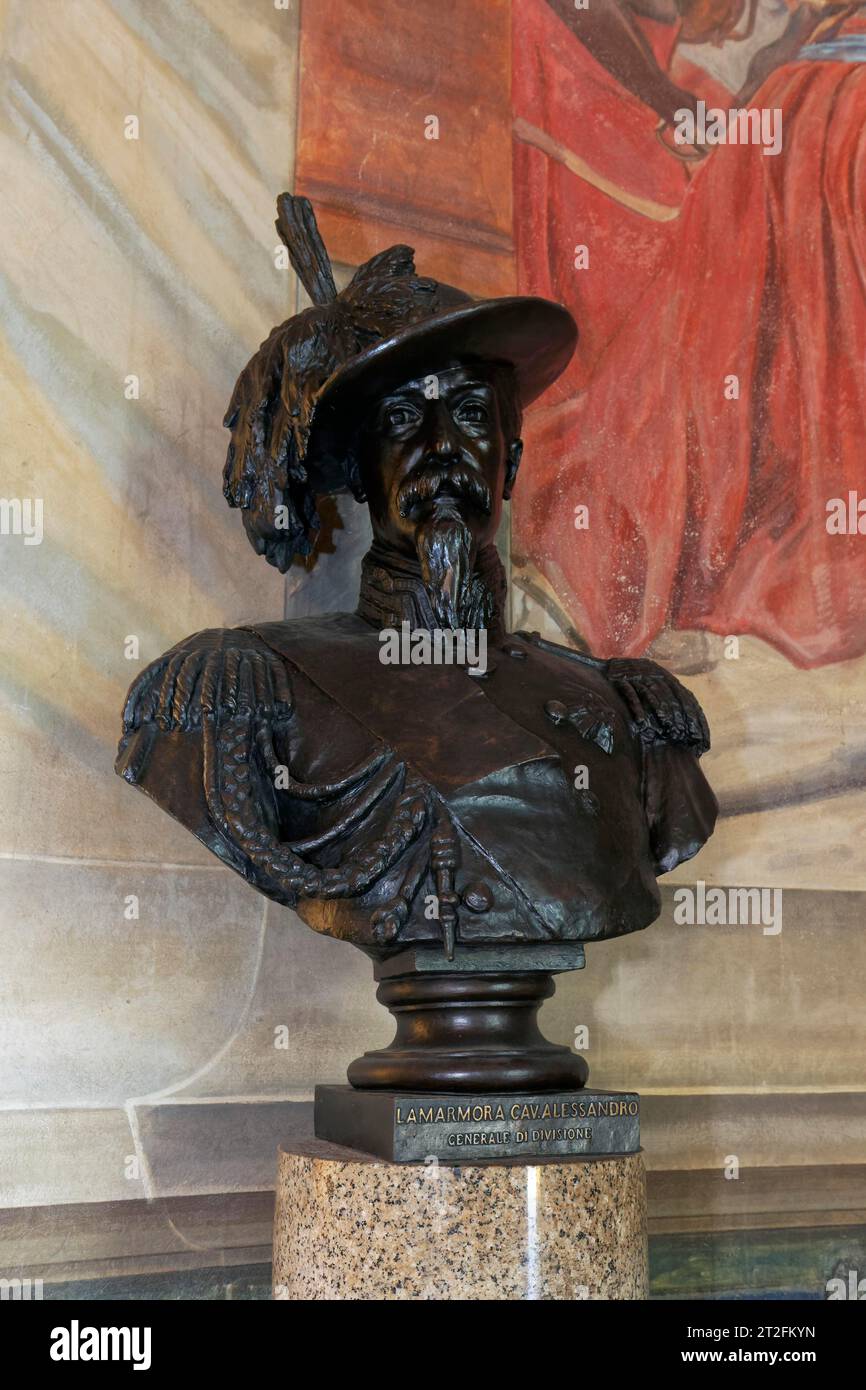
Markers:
468,1033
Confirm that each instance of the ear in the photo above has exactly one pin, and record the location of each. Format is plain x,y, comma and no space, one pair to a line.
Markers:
515,454
353,478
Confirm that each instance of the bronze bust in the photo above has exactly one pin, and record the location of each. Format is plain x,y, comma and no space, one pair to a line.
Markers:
469,826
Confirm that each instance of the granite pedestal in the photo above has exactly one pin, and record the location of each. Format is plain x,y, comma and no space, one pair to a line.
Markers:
352,1227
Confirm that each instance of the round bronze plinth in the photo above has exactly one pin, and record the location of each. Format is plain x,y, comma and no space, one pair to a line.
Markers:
468,1032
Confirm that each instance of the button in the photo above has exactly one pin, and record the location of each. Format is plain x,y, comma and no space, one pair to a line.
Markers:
556,711
477,896
517,652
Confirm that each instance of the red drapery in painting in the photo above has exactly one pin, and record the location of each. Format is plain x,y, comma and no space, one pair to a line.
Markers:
704,512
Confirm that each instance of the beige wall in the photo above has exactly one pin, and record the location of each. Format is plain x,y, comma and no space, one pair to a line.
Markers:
151,257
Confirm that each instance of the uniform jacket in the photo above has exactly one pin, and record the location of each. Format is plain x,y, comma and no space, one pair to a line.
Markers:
392,804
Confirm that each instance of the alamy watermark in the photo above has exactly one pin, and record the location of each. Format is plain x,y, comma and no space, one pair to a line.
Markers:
729,907
846,1285
410,646
77,1343
22,516
713,125
20,1290
846,516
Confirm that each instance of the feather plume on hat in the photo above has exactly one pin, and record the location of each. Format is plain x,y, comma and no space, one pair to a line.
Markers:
274,399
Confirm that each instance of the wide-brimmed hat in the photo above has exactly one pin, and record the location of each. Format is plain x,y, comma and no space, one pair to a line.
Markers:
533,336
301,398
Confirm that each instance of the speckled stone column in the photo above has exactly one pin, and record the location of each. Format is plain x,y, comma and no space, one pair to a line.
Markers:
352,1227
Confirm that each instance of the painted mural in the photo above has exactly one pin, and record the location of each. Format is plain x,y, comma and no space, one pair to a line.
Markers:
699,467
689,179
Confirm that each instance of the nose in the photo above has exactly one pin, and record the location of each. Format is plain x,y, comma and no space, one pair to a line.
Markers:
442,443
444,448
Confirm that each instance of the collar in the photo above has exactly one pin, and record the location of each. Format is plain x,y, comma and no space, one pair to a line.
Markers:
392,592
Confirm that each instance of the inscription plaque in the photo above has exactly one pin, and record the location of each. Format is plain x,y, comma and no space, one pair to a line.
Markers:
453,1128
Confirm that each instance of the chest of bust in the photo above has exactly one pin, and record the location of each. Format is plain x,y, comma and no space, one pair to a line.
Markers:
534,761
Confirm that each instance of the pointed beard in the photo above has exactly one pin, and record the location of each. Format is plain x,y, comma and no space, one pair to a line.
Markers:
457,596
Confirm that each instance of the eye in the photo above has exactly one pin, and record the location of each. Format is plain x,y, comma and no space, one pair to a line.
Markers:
473,412
398,417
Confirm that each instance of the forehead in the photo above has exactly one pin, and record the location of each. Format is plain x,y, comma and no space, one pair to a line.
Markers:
450,378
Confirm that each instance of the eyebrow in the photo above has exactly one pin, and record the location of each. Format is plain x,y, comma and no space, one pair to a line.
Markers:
418,391
472,386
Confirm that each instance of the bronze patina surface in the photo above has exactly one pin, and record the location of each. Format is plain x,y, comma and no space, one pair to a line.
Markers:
467,821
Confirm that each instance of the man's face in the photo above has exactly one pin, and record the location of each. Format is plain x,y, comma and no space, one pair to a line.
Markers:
433,450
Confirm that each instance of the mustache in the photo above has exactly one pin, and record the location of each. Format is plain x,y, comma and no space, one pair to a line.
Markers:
434,480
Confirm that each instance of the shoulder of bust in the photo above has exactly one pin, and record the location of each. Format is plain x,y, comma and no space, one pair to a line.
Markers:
660,708
217,669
